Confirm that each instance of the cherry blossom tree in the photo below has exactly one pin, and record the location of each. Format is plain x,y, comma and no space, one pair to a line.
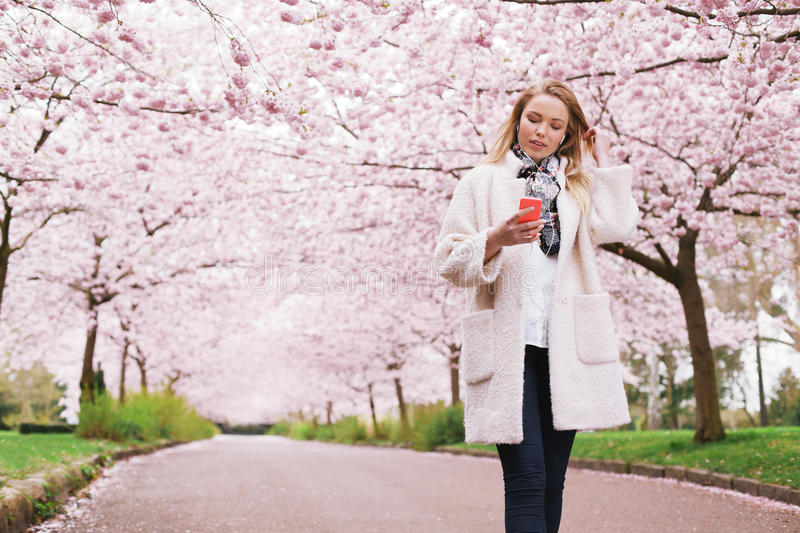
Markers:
331,136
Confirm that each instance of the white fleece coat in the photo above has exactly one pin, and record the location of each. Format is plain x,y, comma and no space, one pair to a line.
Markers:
585,372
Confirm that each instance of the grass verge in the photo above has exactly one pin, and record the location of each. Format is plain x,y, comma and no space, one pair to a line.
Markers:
769,455
22,455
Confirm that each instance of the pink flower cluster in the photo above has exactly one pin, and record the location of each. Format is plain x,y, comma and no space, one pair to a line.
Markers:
239,54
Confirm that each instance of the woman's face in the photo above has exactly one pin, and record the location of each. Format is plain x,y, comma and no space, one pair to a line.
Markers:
542,126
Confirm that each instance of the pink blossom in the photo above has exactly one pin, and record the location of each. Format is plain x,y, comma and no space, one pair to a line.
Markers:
240,56
100,37
288,16
231,97
337,25
143,165
80,100
272,104
330,45
481,40
61,149
127,35
240,80
163,126
316,45
55,68
290,2
105,16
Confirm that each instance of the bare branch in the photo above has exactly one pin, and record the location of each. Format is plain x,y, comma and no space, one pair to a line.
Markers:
62,211
24,180
190,111
657,267
674,9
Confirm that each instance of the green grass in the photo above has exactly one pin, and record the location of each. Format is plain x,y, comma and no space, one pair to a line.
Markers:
22,455
104,427
770,455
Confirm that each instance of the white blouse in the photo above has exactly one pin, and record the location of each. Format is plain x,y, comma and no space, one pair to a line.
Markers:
538,285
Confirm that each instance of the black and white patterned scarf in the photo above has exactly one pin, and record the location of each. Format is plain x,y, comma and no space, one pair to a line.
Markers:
542,183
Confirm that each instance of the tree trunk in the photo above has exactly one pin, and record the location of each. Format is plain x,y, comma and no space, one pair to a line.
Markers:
398,388
372,411
454,387
653,396
762,406
744,401
142,374
708,421
329,408
673,408
87,375
5,253
123,366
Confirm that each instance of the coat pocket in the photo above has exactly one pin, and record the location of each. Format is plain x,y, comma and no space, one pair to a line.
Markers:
477,346
595,340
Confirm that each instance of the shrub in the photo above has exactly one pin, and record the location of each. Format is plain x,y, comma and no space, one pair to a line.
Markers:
95,420
349,430
28,427
391,428
422,415
446,427
280,427
324,432
301,431
793,416
144,416
386,428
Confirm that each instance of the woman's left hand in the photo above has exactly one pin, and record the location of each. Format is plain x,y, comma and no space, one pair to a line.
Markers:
602,146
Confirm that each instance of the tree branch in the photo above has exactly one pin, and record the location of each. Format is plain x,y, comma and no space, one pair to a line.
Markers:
62,211
657,267
105,50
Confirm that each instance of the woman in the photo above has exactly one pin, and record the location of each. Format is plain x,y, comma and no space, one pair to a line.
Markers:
539,353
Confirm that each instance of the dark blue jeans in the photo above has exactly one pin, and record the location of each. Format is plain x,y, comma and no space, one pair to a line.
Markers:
534,470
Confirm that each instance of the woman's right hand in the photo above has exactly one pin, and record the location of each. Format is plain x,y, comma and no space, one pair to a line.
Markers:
510,232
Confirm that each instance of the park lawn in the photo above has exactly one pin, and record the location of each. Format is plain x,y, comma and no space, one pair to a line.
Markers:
22,455
770,454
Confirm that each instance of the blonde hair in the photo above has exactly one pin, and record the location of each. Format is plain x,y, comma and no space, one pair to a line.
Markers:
571,148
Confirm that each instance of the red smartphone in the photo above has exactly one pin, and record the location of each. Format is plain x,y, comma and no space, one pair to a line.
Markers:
529,201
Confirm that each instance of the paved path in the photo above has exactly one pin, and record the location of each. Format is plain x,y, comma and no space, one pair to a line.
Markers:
273,484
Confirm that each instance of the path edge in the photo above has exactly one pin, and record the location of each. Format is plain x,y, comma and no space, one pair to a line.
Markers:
697,476
59,483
